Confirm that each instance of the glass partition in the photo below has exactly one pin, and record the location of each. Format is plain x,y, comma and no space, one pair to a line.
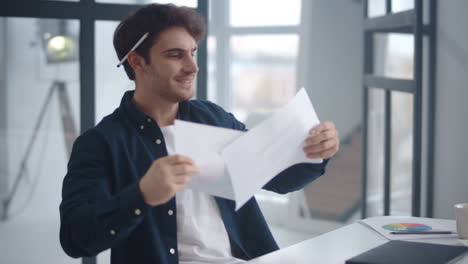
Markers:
111,82
188,3
263,73
39,120
245,13
375,154
402,153
399,56
375,8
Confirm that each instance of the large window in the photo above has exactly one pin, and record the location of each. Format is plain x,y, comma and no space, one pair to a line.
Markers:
253,58
188,3
40,107
260,53
399,81
53,53
252,66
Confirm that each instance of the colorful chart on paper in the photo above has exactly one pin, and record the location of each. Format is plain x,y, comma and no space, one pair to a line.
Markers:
406,227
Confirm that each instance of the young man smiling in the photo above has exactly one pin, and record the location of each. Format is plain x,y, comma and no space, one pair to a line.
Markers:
124,188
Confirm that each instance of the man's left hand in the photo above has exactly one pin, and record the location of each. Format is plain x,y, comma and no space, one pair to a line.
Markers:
323,141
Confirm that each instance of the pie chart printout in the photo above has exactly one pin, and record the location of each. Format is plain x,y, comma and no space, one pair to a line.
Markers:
407,227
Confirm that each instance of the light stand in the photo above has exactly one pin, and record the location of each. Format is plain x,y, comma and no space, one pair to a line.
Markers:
69,130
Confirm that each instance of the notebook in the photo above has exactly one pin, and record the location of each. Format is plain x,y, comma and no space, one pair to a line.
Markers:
404,252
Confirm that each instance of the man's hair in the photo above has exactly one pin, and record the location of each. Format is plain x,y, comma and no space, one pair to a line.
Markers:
154,18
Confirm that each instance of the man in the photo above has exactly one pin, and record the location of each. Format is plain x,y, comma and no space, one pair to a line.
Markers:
123,191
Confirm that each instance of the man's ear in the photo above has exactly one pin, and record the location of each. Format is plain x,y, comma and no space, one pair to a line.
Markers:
136,61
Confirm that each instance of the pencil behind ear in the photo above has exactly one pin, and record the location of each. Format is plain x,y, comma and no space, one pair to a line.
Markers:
136,61
133,48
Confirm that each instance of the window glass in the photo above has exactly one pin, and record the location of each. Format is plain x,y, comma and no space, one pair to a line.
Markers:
188,3
399,56
375,154
212,68
402,5
378,7
263,73
375,8
402,153
273,12
393,55
39,120
111,82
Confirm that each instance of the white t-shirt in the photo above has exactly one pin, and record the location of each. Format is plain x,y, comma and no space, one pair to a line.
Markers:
201,235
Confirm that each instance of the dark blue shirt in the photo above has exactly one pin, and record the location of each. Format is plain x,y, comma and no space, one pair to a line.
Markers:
102,206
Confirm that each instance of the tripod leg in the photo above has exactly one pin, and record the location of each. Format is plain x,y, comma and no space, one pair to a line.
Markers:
69,129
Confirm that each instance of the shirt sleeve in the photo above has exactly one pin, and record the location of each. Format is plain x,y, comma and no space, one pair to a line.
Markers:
92,218
296,177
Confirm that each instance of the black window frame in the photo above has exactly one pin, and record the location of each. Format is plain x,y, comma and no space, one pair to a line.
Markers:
407,22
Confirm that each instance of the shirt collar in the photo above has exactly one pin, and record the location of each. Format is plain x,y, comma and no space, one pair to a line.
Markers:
139,118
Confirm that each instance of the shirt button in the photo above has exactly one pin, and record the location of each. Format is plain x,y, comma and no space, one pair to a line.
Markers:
148,120
137,211
112,232
142,127
170,212
172,251
158,141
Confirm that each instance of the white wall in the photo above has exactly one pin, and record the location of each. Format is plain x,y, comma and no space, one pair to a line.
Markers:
334,70
451,148
333,78
3,115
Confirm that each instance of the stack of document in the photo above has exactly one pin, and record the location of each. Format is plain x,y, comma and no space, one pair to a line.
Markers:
387,225
235,164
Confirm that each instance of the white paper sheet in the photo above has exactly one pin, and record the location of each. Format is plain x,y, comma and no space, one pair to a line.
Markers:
203,144
235,164
376,223
270,147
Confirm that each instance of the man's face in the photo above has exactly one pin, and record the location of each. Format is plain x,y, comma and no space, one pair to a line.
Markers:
173,67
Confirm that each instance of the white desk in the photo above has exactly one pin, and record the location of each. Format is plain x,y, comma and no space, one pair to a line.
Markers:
337,246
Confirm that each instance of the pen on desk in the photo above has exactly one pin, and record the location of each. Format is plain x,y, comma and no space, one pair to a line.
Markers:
433,232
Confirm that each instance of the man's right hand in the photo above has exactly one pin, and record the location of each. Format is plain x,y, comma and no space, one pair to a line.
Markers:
165,177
